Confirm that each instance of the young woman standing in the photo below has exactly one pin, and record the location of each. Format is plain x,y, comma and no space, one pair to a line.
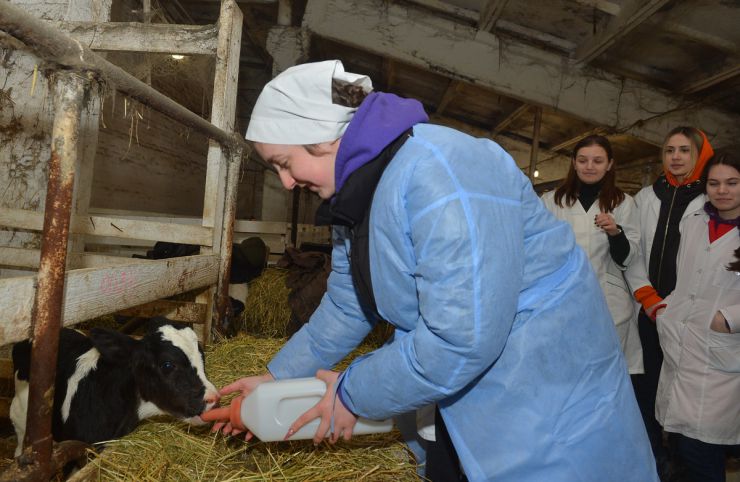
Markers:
675,195
604,220
699,388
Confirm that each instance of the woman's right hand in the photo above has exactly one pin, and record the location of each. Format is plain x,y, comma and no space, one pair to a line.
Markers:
245,386
655,310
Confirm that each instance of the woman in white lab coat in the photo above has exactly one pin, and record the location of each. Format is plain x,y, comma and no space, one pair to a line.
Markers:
604,220
675,195
698,400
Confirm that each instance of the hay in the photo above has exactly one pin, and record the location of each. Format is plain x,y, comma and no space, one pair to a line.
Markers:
266,313
164,451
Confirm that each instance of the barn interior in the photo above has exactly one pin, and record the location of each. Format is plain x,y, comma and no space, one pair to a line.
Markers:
535,77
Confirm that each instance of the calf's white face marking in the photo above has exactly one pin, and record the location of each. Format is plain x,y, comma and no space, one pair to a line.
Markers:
187,341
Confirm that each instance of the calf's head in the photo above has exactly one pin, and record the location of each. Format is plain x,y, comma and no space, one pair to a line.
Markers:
168,369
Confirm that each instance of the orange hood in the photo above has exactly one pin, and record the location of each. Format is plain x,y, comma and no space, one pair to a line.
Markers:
705,154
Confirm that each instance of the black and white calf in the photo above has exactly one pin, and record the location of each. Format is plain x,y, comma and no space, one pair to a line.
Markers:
107,382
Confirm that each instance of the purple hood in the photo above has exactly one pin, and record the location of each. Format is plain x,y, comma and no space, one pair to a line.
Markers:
379,120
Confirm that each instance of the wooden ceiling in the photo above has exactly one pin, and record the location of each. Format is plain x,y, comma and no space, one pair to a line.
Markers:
629,69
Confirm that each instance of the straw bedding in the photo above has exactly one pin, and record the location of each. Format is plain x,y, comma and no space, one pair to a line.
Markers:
162,450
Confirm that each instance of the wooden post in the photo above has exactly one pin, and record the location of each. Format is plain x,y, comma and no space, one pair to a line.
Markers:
535,143
217,174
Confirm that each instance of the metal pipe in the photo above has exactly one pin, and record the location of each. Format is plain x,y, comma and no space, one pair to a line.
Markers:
69,91
68,53
227,240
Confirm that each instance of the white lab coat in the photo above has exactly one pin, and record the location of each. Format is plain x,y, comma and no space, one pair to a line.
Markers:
596,244
648,211
699,388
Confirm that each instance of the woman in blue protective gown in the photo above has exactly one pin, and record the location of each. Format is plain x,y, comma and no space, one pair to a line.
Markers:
499,317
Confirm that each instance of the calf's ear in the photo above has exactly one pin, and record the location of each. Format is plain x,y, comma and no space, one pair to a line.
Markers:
112,345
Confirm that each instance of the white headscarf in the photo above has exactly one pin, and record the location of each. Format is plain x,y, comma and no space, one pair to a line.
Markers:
295,107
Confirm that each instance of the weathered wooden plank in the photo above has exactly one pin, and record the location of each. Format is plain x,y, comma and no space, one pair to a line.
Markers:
98,291
5,407
173,310
113,227
20,257
136,229
240,225
143,37
93,260
632,13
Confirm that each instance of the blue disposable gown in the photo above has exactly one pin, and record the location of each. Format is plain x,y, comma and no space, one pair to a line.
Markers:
499,319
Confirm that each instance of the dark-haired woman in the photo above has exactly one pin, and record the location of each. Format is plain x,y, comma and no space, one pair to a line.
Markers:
604,220
675,195
698,401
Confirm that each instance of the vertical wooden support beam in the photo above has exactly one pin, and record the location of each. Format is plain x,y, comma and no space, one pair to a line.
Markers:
296,195
217,174
223,304
285,13
47,308
535,143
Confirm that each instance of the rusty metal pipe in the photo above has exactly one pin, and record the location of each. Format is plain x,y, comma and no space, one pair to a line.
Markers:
56,47
227,240
69,92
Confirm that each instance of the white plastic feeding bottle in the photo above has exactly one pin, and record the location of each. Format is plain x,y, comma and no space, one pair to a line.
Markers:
270,409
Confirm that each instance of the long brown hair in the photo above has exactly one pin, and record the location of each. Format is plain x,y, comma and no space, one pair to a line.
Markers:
610,196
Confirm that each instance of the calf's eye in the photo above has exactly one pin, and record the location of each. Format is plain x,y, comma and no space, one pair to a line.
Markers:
167,366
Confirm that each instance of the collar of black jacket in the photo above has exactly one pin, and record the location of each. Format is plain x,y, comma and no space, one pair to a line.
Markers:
350,205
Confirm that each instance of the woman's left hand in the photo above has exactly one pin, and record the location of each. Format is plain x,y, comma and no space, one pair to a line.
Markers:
606,222
719,324
344,420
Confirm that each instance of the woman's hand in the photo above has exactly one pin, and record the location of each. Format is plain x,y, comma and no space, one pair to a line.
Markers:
607,223
719,324
245,386
654,311
344,420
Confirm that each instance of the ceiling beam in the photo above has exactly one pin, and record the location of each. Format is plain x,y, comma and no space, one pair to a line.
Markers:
513,69
520,150
632,14
576,139
607,7
514,115
490,13
672,21
450,93
502,26
640,162
727,71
